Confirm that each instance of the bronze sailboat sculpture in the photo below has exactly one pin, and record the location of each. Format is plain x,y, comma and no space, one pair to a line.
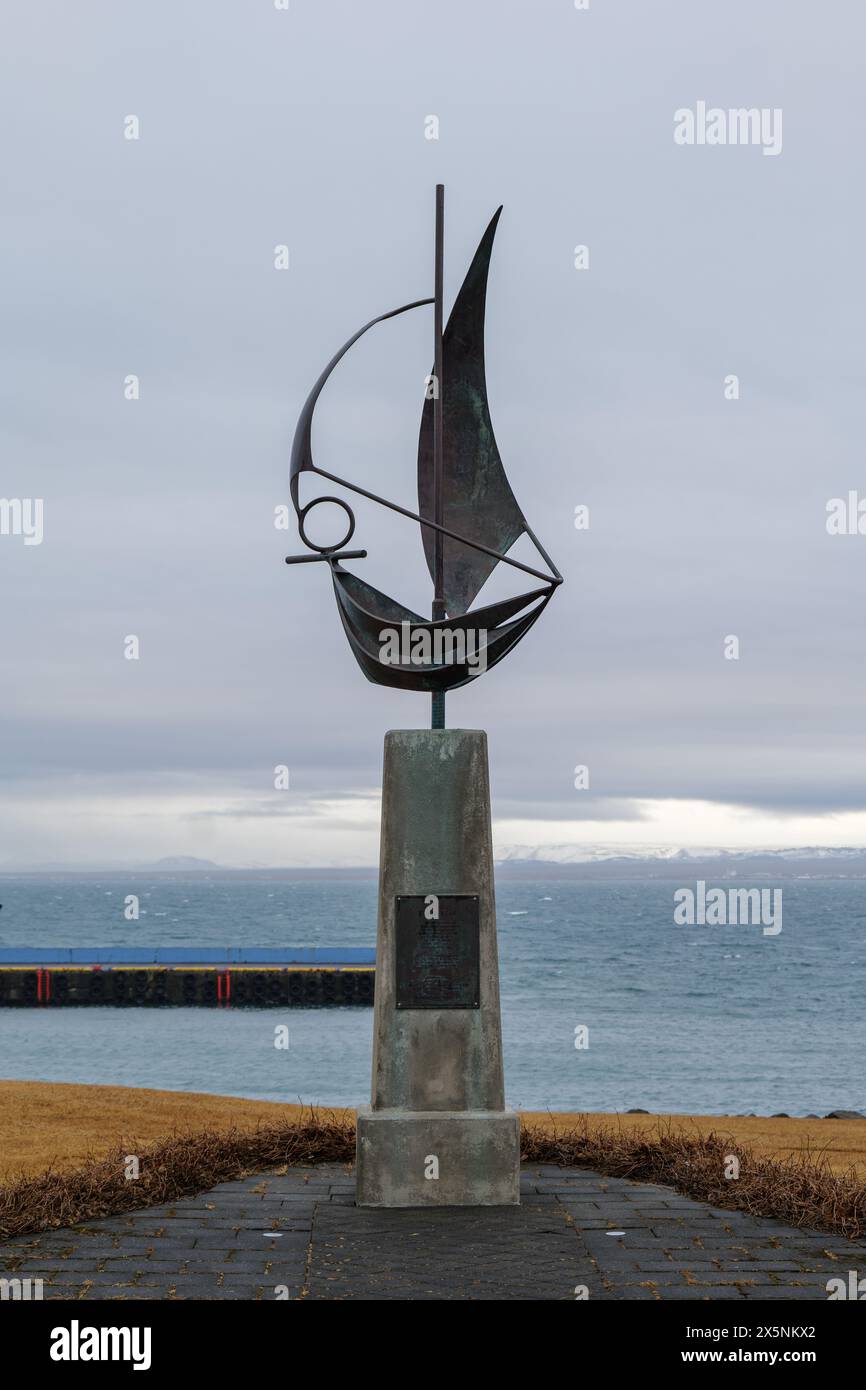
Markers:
468,514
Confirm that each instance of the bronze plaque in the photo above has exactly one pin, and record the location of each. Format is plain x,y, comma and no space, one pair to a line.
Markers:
437,956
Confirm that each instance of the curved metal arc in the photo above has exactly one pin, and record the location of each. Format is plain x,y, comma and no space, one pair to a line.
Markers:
302,456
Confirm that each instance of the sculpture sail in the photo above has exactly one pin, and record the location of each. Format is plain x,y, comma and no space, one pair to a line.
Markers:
477,500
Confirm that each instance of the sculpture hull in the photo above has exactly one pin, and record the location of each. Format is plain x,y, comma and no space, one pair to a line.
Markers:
396,647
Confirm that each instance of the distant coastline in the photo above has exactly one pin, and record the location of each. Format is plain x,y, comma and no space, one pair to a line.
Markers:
565,862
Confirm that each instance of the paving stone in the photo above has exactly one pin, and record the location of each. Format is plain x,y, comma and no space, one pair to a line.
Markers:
633,1293
697,1294
213,1247
134,1294
787,1291
240,1240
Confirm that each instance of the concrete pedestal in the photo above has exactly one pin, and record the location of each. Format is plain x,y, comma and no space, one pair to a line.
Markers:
436,1132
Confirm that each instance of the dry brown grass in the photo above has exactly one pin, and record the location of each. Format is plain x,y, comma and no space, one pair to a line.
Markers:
44,1124
47,1125
802,1190
840,1144
170,1169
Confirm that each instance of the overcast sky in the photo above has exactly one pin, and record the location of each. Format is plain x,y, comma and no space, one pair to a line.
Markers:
261,127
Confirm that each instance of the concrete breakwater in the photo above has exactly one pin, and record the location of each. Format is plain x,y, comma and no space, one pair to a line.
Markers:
144,977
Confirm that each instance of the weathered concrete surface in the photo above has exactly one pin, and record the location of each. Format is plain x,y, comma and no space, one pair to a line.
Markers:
476,1154
299,1235
436,839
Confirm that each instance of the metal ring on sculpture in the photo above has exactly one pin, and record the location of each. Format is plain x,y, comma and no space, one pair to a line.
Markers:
323,549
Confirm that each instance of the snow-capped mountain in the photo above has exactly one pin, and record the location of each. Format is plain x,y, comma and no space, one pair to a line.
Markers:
670,860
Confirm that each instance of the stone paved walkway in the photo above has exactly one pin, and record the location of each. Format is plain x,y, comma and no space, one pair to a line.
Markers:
299,1235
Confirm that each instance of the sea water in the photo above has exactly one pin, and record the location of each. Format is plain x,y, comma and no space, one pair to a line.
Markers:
701,1019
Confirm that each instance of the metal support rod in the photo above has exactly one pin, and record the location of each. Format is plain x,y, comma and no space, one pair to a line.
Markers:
438,613
327,555
554,579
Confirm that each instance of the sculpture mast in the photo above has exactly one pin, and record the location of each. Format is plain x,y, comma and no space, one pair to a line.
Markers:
438,698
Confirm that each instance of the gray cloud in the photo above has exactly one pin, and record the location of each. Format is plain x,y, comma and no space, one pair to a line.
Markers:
155,257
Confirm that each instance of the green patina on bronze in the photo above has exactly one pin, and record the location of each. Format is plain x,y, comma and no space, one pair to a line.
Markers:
477,498
467,512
